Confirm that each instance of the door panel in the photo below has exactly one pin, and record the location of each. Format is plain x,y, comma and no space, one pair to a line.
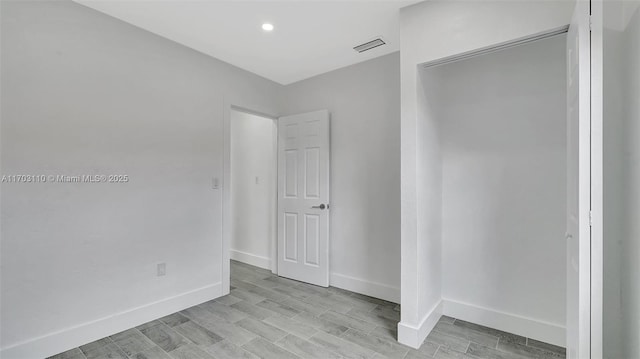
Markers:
578,234
311,239
312,173
290,237
291,173
303,197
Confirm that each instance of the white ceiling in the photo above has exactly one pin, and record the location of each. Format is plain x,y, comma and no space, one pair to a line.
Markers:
310,37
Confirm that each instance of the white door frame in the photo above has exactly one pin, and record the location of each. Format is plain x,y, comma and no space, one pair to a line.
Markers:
225,186
590,342
597,178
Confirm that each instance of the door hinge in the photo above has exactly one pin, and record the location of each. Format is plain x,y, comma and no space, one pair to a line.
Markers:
590,23
590,219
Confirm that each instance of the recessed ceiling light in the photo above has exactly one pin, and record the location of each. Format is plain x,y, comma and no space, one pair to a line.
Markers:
267,27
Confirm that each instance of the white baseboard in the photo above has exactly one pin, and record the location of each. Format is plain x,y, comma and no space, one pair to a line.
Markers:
372,289
252,259
526,327
414,335
70,338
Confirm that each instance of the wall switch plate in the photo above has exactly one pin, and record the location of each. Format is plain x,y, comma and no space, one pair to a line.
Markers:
215,183
162,269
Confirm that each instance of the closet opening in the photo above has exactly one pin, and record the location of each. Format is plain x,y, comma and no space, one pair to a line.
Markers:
493,127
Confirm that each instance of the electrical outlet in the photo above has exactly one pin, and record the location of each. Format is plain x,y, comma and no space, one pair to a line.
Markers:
162,269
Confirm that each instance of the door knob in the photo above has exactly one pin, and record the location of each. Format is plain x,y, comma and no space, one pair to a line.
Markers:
322,206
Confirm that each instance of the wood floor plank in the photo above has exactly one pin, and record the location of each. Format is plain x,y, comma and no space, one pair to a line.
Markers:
165,337
448,341
201,316
152,353
253,310
340,346
228,299
348,321
267,350
305,349
373,317
229,314
387,333
132,341
528,351
283,281
197,334
386,312
477,350
291,326
388,348
302,306
414,354
321,324
267,331
448,353
293,292
246,296
336,305
227,350
96,344
191,351
222,328
426,350
279,308
263,292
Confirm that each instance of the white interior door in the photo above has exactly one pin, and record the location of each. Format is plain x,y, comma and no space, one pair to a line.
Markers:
303,197
578,234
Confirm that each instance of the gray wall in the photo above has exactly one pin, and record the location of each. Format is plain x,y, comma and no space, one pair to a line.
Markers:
613,195
83,93
630,269
364,101
621,317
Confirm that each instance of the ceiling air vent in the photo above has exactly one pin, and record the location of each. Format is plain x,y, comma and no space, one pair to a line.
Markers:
369,45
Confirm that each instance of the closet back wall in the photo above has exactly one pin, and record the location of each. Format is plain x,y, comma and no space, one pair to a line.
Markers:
502,123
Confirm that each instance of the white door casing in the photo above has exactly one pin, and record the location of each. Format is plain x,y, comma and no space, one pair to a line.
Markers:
303,197
578,236
597,178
